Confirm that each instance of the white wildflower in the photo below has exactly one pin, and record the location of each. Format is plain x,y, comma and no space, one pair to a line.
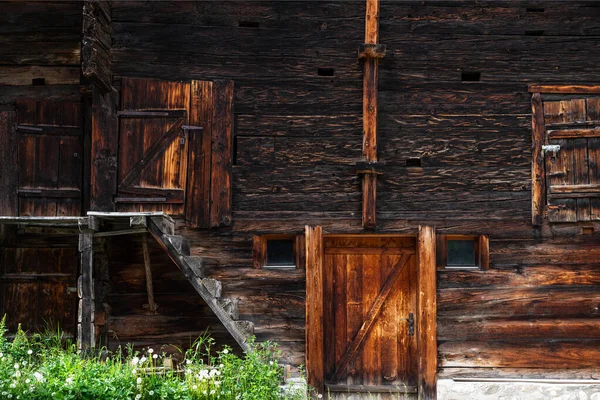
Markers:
221,366
143,359
217,383
69,380
135,361
4,393
13,385
1,355
213,392
30,352
320,396
138,396
188,362
27,380
24,363
38,376
270,362
225,351
155,356
205,393
139,381
16,366
9,396
150,350
213,372
134,371
151,393
18,374
194,387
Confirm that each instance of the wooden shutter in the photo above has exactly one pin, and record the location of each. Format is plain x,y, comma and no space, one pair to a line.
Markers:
572,179
8,163
152,162
209,183
50,157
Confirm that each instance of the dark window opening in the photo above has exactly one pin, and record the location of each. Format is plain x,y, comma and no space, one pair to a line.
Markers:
325,72
249,24
38,81
534,33
587,230
473,76
413,163
280,253
460,253
535,9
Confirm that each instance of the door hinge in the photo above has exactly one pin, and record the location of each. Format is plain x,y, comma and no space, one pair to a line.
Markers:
552,148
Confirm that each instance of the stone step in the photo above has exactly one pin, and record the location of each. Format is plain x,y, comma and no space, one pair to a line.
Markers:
196,264
179,243
231,307
213,286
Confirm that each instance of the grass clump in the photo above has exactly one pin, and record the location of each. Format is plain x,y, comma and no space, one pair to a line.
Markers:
50,367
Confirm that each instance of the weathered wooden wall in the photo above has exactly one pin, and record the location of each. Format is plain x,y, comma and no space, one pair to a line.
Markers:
298,134
39,51
298,107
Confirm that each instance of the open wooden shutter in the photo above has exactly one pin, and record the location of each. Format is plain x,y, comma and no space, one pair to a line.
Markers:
50,157
152,146
175,148
572,157
209,182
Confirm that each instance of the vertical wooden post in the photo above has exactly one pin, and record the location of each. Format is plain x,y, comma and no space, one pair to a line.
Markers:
314,307
105,141
538,182
369,183
427,315
148,269
9,178
85,291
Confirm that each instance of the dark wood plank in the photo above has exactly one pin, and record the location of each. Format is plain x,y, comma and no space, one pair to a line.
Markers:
222,152
538,179
200,155
573,133
427,314
565,89
96,43
9,162
105,141
314,312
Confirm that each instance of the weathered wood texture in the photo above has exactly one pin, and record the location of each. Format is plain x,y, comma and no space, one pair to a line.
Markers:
427,314
96,43
40,41
50,157
9,179
38,279
315,314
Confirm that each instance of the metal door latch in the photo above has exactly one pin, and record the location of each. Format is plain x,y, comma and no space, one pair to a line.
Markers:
411,324
553,148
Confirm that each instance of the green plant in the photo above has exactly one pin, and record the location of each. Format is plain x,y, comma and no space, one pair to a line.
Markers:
50,367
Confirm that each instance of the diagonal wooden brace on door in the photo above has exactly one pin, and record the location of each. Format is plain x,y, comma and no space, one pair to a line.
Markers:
371,53
153,152
354,346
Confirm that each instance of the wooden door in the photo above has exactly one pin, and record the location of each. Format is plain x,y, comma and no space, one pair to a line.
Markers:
572,159
152,145
50,157
370,311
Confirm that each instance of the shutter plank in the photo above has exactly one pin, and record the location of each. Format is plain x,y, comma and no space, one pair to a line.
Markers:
593,109
8,161
594,174
581,177
199,163
220,188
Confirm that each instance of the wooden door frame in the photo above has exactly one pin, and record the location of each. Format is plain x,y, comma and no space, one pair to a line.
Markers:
426,324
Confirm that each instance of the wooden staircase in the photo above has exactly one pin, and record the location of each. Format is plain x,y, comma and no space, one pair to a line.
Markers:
178,249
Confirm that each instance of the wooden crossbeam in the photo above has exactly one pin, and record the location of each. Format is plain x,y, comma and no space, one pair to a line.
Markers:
153,152
352,349
370,90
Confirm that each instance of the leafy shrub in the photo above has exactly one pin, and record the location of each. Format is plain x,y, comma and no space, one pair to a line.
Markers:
50,367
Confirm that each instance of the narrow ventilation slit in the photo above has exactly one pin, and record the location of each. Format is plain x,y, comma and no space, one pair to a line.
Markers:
534,33
413,163
326,72
535,9
38,81
249,24
587,230
470,76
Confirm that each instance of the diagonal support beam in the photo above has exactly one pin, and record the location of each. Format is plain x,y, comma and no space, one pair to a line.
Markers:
370,90
370,319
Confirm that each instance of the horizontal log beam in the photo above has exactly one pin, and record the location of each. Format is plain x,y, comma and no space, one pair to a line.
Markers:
565,89
573,133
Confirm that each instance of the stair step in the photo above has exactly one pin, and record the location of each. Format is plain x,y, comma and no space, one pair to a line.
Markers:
213,286
231,307
246,328
196,264
180,244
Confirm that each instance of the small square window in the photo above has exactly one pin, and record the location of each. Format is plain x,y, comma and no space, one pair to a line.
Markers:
462,252
278,251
